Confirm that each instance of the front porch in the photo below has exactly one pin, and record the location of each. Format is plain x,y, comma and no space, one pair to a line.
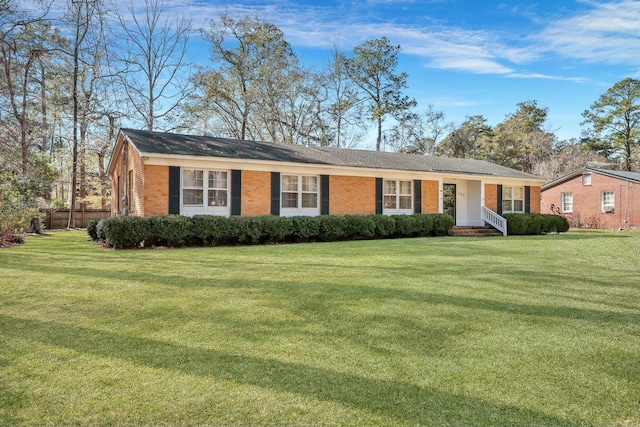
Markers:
473,205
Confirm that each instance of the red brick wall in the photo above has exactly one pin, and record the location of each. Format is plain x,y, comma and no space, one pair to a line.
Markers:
135,164
352,195
535,200
491,196
156,190
430,197
587,208
256,193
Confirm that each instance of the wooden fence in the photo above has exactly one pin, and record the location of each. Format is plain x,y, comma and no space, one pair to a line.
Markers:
59,218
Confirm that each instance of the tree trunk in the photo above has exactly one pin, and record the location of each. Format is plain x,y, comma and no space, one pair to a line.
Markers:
379,138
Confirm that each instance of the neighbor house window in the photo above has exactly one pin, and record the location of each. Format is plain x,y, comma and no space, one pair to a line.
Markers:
512,199
608,201
567,202
299,194
205,191
586,179
397,197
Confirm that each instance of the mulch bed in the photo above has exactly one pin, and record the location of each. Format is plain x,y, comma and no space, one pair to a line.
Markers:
8,240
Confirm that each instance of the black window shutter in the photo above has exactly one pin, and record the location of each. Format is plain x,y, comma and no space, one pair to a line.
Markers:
275,193
379,196
527,199
174,190
499,197
417,196
324,194
236,192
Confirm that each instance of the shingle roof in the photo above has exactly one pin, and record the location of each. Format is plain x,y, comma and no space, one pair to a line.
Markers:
624,175
628,176
207,146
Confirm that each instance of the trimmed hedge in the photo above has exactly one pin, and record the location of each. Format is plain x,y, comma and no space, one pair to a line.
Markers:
92,229
530,224
208,230
168,230
124,231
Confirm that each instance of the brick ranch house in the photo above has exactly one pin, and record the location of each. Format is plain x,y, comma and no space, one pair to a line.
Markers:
157,173
595,198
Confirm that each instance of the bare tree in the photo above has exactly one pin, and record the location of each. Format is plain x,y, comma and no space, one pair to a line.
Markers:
567,157
153,58
258,89
20,49
81,17
419,133
464,141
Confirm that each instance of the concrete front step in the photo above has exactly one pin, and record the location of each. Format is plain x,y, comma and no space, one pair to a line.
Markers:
475,231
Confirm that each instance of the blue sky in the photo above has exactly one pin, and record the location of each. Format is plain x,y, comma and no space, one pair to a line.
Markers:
468,57
464,57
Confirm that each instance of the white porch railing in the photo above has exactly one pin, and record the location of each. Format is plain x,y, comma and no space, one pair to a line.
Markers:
494,220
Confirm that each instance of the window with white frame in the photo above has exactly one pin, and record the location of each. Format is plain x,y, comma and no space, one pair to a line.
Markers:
299,194
608,201
205,191
192,187
586,179
217,189
512,199
397,197
567,202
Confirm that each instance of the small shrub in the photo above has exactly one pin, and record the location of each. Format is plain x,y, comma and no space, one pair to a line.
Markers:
406,225
359,227
304,228
92,229
212,230
385,226
251,230
275,228
100,230
424,225
235,231
124,231
170,230
557,224
333,228
442,224
532,224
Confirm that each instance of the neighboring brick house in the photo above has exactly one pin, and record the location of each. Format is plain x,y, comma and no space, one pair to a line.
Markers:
157,173
595,198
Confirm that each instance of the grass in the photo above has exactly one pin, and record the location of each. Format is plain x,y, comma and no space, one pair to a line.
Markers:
536,330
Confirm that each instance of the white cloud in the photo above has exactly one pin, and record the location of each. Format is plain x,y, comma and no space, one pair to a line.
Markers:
437,45
457,103
546,77
609,33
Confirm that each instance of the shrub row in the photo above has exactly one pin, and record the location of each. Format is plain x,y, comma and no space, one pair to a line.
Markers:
525,224
176,230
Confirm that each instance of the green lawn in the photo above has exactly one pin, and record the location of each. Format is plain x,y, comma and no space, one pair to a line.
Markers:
539,330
